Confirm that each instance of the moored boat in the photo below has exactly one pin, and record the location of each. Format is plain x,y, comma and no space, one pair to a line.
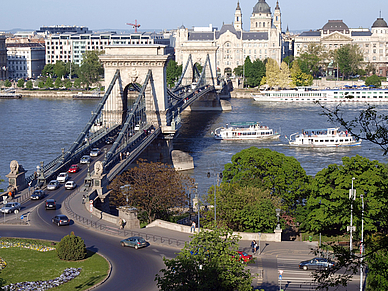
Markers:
330,137
245,131
329,95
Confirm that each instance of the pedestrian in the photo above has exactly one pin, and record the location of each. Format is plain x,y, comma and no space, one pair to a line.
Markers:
121,156
253,246
192,228
121,223
127,155
10,195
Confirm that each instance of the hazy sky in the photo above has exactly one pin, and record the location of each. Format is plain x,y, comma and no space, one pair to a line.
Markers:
170,14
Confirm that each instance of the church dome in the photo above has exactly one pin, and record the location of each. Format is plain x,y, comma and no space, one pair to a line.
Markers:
261,7
380,22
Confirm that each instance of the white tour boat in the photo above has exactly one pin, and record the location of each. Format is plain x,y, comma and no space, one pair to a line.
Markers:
329,95
330,137
245,131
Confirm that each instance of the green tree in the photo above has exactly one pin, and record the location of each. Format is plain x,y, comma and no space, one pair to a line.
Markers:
29,85
349,58
206,263
373,80
272,73
238,71
49,83
327,208
282,175
41,84
311,59
71,248
173,72
156,188
288,60
244,208
68,84
59,69
256,71
48,70
298,77
20,83
77,83
91,68
58,82
7,83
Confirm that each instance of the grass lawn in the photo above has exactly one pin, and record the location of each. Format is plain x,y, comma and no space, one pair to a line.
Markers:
31,265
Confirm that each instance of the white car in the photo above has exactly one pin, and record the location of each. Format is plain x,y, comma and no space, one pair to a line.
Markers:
70,185
62,177
11,207
95,152
53,185
85,159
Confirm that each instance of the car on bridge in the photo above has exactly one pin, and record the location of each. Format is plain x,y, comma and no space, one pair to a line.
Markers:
11,207
53,185
60,219
74,168
134,241
70,185
50,204
95,152
37,195
62,177
85,159
316,264
110,140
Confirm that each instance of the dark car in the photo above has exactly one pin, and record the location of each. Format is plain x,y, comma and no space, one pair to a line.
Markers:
51,204
60,219
109,140
134,241
37,194
316,264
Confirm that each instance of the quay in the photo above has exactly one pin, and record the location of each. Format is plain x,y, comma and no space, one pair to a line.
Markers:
10,96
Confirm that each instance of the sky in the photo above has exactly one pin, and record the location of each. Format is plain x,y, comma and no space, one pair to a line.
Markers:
299,15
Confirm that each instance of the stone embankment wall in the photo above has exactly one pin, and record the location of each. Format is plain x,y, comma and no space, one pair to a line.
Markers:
46,94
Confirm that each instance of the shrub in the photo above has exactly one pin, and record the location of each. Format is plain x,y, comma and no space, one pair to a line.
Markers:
71,248
29,85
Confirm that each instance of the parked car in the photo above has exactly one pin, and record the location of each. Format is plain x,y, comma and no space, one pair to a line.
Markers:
316,264
11,207
50,204
37,195
95,152
53,185
62,177
85,159
60,219
73,169
70,185
109,140
244,256
134,241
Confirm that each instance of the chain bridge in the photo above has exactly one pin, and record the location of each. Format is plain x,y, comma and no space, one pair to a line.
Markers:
134,123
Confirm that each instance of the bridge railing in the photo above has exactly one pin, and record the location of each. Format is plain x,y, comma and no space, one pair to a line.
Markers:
109,229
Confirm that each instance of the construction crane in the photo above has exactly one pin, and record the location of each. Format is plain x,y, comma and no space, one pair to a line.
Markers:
135,26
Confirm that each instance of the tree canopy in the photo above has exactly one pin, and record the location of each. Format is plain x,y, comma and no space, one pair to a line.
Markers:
349,58
373,80
298,77
173,72
91,68
155,188
208,262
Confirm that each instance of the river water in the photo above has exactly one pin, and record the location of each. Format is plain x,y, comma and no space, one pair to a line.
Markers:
34,130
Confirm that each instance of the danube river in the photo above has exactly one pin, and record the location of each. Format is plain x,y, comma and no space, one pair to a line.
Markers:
34,130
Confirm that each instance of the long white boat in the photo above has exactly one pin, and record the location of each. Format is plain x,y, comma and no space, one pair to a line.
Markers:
330,137
329,95
245,131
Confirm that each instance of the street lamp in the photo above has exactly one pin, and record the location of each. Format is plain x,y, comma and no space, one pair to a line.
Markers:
126,193
218,179
352,196
362,240
198,206
278,216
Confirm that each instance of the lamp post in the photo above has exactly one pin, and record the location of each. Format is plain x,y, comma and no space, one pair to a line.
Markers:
126,193
352,197
362,241
218,179
198,206
278,216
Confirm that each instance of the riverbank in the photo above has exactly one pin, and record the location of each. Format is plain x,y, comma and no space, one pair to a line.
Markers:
47,94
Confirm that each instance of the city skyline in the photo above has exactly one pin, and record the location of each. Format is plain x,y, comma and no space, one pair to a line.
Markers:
98,15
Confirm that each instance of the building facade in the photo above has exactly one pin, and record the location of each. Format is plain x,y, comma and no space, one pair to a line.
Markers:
231,43
3,58
68,47
25,60
335,33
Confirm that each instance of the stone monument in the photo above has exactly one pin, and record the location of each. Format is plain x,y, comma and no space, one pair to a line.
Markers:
16,177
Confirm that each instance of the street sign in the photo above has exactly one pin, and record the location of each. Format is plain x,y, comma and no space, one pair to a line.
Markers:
21,217
281,272
91,205
353,228
280,277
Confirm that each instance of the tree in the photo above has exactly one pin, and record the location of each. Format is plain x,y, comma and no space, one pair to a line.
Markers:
59,69
48,70
77,83
208,262
288,60
173,72
21,83
311,59
29,85
373,80
71,248
349,58
58,82
49,83
244,208
238,71
282,175
91,68
41,84
327,208
7,83
256,71
284,76
298,77
272,73
156,188
68,84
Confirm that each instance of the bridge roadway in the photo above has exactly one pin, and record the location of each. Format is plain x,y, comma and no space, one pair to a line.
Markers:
135,269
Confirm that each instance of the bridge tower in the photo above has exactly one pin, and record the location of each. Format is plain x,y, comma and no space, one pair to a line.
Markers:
134,63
